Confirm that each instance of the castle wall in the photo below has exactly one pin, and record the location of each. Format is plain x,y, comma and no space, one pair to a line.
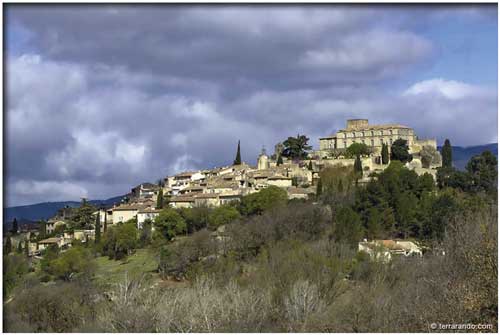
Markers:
417,145
357,123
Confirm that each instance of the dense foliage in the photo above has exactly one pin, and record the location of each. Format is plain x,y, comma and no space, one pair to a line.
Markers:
222,215
82,217
296,147
120,241
74,261
357,149
257,203
169,223
400,151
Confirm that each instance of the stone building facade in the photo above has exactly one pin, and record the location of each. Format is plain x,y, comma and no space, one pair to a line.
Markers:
360,131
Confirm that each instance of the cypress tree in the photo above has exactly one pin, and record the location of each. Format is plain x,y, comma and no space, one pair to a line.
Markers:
159,199
279,161
310,167
319,188
385,154
357,165
446,153
8,246
43,229
26,248
98,227
237,160
105,220
15,226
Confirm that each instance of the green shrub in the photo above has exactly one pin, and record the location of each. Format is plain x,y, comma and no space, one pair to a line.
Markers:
222,215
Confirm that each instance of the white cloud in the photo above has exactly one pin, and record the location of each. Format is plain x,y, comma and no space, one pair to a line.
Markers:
96,154
369,50
447,88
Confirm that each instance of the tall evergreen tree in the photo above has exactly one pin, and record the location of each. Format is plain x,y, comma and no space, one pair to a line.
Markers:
446,153
279,161
319,188
357,165
43,228
237,160
98,227
385,154
105,220
8,246
374,227
159,199
15,227
26,247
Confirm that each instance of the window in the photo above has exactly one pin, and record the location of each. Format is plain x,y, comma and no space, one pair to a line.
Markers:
373,143
345,144
390,131
372,133
353,134
363,133
345,135
390,141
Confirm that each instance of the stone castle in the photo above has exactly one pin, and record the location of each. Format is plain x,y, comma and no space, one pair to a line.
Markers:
360,131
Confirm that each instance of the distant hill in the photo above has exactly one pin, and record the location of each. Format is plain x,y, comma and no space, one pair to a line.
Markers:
461,155
46,210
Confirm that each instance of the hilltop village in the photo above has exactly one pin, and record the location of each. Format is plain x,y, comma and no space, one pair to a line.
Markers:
375,214
299,176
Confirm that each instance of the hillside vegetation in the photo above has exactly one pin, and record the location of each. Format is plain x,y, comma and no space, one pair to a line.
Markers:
272,265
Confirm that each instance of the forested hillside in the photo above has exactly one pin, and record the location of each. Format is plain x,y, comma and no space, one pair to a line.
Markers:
267,264
45,210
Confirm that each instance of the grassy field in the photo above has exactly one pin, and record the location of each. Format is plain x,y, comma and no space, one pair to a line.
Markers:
142,262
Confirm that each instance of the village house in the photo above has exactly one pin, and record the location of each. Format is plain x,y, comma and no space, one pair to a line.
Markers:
300,192
385,250
105,216
52,224
194,189
229,197
83,235
206,200
123,213
280,181
146,214
181,201
145,191
44,244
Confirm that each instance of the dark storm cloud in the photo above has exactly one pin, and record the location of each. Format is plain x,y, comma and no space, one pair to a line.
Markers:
249,48
106,97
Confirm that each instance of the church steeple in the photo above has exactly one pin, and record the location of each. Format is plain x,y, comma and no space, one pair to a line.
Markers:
263,161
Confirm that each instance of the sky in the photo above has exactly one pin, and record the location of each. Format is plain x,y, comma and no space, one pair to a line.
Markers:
100,98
